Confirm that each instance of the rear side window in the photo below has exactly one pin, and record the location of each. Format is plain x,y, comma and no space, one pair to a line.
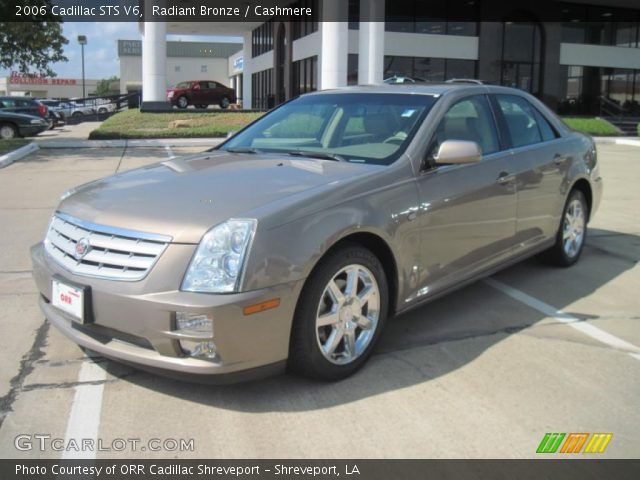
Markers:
470,119
547,131
526,126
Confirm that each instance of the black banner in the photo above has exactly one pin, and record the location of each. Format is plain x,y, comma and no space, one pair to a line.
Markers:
397,11
322,469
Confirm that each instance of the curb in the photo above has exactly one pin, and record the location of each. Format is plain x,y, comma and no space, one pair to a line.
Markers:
632,142
15,155
159,142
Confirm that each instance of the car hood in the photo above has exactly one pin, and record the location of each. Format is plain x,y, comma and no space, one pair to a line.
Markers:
185,197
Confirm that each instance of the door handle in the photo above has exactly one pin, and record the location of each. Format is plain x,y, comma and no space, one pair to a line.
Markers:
505,177
558,159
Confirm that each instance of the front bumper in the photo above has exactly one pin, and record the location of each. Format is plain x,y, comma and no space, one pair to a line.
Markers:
32,130
137,327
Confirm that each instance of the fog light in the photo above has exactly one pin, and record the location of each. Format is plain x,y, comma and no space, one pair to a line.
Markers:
196,325
199,349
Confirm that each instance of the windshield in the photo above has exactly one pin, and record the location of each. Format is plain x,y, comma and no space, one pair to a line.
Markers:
357,127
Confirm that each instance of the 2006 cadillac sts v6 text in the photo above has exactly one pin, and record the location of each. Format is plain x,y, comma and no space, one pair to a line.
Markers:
295,240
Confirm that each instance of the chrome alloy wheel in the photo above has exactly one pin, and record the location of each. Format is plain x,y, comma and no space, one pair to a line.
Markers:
348,314
573,228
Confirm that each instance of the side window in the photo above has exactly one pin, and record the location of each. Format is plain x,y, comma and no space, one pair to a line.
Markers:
204,85
547,131
521,120
470,119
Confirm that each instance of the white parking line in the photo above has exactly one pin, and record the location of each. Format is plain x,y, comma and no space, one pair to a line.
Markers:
84,417
169,152
562,317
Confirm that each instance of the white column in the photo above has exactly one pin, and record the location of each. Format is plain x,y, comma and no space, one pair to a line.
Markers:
371,42
335,45
246,70
154,62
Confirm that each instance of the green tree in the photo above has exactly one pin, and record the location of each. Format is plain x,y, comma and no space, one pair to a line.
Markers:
31,45
105,86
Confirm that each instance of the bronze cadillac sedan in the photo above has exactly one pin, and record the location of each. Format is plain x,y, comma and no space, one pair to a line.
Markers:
293,242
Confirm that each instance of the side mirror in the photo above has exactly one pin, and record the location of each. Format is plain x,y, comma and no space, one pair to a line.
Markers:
457,152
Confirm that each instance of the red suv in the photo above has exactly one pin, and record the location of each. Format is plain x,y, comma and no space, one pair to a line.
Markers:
201,93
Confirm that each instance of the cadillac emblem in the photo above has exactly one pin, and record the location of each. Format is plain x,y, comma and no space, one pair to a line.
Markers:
83,247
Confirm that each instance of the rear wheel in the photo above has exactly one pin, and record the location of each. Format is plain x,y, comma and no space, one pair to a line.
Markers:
8,131
572,232
340,314
77,114
224,103
183,102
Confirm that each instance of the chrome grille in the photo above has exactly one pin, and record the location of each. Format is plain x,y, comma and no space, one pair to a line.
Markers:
113,253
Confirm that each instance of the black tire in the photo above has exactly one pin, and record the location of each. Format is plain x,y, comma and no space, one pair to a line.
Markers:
305,356
102,110
8,131
182,102
558,254
77,114
224,103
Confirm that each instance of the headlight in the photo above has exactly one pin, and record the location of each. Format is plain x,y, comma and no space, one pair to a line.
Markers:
218,263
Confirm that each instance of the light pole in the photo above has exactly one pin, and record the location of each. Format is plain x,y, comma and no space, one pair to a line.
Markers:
82,40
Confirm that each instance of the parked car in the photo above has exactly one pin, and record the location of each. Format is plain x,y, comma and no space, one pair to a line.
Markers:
14,125
201,93
62,108
27,105
103,105
80,108
294,241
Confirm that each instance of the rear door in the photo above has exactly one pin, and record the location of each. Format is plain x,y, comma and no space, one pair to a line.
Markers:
540,160
215,93
467,212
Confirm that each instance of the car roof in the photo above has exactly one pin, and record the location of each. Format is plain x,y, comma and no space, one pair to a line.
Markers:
436,89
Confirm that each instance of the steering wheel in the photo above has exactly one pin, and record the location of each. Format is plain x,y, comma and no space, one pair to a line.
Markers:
397,138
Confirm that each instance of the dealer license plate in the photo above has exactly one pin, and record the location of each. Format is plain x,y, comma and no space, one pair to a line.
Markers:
69,299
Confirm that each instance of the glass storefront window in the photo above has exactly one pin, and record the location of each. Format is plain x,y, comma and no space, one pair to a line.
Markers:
436,17
429,69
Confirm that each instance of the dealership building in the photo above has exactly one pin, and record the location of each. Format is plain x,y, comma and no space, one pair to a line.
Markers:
575,66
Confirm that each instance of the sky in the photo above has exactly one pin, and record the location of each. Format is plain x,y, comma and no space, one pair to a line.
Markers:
101,50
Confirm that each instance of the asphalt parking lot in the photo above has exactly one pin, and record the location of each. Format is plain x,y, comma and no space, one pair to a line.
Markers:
484,372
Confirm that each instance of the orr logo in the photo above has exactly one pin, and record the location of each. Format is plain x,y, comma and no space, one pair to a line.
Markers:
574,443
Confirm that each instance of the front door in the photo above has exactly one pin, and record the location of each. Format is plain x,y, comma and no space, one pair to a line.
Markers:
467,212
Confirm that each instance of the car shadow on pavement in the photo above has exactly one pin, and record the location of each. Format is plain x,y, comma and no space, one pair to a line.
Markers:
430,341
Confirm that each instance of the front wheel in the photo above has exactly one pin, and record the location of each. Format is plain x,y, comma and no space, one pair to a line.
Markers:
340,314
224,103
572,232
183,102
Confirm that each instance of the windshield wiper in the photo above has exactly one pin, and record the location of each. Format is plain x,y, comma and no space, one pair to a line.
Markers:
243,150
319,155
